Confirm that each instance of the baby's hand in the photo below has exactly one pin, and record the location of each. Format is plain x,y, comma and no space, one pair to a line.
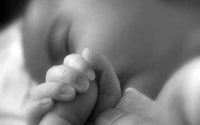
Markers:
62,83
109,88
133,108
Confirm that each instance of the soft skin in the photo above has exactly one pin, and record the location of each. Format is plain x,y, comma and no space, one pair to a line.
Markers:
177,104
144,40
110,108
73,110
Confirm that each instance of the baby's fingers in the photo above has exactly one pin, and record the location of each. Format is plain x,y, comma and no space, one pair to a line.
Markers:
109,83
77,62
56,91
109,86
37,109
69,76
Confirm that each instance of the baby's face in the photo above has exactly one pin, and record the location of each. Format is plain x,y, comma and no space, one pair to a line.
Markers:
135,35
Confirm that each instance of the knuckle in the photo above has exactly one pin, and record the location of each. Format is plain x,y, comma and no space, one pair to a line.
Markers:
75,59
50,71
65,71
78,59
69,58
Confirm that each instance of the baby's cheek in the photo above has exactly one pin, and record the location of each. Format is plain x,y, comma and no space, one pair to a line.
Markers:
36,25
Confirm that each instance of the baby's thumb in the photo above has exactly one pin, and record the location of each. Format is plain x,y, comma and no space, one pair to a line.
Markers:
109,86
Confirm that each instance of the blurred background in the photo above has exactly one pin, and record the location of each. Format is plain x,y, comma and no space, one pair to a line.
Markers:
11,10
164,20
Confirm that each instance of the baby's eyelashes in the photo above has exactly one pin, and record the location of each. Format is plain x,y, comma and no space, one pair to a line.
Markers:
77,62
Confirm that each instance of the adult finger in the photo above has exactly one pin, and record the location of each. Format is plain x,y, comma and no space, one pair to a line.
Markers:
109,86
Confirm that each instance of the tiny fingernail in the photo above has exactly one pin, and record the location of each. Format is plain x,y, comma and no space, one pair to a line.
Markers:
83,83
67,90
45,101
90,74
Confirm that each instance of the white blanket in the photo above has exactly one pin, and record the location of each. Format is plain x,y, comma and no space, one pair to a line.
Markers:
15,84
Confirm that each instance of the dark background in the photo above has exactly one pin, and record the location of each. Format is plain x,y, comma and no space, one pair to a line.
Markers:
10,10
